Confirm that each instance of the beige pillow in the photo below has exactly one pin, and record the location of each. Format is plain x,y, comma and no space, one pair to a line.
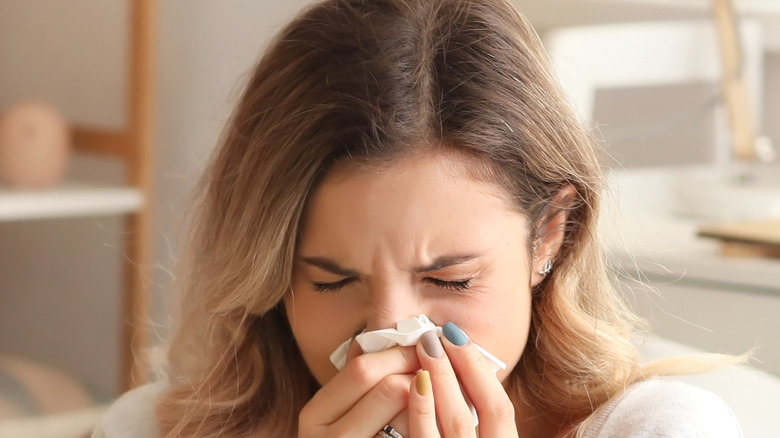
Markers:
29,389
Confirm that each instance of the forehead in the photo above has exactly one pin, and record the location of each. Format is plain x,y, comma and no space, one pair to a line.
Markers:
439,167
438,171
417,199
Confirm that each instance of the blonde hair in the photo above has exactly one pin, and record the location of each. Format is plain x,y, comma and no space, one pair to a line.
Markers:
369,81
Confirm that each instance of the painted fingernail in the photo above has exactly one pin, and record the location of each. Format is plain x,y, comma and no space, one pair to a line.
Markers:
423,382
454,334
432,344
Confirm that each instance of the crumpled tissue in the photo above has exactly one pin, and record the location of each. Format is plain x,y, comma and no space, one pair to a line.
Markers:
406,333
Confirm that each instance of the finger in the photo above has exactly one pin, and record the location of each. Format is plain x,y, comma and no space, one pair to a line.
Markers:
452,411
354,350
494,408
401,421
376,409
357,378
422,409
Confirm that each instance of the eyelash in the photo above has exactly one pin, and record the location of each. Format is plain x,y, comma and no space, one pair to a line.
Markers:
459,285
331,287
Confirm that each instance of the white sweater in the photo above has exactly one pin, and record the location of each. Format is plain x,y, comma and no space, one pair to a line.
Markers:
654,408
664,409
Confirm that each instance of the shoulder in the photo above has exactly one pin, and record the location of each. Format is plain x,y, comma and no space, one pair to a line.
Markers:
132,415
661,408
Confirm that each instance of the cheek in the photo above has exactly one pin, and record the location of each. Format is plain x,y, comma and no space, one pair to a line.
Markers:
513,337
500,324
320,323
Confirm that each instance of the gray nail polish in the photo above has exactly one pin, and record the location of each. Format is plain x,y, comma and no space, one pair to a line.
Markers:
432,344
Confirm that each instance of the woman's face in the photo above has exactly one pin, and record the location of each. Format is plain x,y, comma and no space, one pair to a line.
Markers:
418,237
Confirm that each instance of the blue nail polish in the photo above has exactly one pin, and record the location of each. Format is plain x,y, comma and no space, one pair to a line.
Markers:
454,334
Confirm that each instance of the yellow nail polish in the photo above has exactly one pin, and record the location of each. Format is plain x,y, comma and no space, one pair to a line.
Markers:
423,382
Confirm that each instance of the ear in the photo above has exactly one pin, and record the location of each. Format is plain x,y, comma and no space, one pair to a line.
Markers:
550,233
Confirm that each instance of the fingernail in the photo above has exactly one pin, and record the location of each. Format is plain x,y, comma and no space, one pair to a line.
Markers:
432,344
454,334
423,382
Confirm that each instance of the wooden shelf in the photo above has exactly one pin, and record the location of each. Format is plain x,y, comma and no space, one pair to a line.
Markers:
67,200
132,144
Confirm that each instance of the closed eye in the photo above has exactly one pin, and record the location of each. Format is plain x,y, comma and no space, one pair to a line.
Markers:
333,286
458,285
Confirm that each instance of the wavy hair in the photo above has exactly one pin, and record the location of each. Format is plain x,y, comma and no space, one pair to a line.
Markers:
371,80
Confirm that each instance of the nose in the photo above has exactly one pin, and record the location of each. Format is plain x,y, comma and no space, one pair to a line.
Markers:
390,304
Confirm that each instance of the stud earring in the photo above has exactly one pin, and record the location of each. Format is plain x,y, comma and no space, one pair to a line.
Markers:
547,268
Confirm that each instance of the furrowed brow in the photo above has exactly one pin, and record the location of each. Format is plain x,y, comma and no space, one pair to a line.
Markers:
445,262
329,265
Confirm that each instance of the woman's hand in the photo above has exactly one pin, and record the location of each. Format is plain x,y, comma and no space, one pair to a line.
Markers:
449,372
362,398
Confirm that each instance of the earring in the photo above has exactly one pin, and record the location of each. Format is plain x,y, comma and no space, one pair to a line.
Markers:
547,268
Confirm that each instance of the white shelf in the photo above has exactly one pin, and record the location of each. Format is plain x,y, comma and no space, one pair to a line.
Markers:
69,199
765,11
752,6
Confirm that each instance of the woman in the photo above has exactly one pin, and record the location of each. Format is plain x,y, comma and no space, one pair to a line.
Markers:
392,158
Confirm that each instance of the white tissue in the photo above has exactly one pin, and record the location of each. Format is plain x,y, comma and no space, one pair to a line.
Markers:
406,333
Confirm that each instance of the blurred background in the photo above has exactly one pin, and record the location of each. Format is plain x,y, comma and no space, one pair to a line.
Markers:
62,280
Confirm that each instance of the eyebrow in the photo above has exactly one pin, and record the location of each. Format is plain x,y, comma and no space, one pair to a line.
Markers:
446,261
438,263
331,266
